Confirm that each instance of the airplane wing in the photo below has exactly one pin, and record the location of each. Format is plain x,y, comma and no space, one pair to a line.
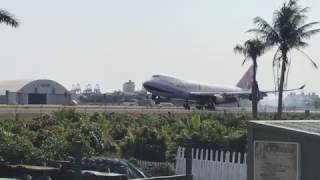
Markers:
286,90
244,93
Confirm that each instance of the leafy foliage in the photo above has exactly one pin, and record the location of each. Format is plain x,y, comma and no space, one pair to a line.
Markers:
152,137
287,32
8,18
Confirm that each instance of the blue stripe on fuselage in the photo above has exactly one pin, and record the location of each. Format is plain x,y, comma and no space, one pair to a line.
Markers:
164,90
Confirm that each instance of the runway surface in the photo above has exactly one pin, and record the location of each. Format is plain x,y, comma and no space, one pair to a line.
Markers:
39,109
36,109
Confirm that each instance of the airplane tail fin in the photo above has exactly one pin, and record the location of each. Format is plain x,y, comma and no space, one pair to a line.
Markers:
246,80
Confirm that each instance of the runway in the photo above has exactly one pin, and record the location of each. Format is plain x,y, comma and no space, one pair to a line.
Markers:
41,109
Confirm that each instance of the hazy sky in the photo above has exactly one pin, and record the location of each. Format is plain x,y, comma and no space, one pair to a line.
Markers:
111,41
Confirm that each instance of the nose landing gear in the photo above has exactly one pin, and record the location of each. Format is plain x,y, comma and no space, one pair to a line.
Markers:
156,99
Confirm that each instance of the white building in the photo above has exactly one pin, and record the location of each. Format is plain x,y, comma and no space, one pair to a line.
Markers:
33,92
128,87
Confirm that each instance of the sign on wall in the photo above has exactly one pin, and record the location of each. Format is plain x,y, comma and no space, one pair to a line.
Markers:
276,160
42,85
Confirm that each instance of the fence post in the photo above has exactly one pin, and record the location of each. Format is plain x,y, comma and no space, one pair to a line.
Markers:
189,161
78,145
307,113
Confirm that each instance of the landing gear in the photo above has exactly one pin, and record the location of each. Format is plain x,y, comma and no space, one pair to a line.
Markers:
238,103
156,99
186,105
211,106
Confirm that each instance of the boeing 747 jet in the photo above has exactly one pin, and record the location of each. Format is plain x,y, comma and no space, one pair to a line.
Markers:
206,96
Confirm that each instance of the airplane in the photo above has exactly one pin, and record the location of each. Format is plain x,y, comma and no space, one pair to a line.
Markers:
206,96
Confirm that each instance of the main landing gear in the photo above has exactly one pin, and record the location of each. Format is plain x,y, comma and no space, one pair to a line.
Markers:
210,106
186,105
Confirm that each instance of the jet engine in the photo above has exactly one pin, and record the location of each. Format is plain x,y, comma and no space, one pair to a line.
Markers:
156,99
222,99
219,99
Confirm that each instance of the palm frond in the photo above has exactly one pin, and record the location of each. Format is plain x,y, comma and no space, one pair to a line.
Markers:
301,44
308,34
239,49
314,64
263,24
251,49
297,19
245,60
7,18
305,27
258,31
304,10
291,3
265,31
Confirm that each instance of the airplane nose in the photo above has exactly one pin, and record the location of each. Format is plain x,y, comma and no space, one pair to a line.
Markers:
146,84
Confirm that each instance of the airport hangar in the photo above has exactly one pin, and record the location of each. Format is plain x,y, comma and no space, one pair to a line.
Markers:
34,92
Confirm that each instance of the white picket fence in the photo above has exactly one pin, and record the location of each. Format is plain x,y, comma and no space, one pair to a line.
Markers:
210,165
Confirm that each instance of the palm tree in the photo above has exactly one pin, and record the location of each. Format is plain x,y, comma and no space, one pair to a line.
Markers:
287,32
7,18
252,49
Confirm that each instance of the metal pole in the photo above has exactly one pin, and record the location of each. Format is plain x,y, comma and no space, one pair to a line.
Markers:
189,161
78,159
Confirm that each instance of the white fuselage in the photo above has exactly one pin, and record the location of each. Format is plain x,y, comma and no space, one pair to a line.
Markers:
170,87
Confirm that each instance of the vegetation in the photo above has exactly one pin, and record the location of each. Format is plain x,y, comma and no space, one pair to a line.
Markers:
7,18
152,137
252,49
287,32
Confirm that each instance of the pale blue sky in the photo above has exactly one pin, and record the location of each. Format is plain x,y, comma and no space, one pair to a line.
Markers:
111,41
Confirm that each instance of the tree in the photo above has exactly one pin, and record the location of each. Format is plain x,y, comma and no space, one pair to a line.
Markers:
7,18
252,49
287,32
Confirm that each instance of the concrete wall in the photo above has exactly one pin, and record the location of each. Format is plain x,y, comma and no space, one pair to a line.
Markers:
177,177
3,99
12,98
22,98
56,99
309,144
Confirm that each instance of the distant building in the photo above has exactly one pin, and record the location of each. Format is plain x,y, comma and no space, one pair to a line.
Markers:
33,92
128,87
302,100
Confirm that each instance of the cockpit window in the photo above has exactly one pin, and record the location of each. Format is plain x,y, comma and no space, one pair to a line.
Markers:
163,76
167,78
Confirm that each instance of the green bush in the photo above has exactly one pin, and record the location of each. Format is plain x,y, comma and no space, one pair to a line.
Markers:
152,137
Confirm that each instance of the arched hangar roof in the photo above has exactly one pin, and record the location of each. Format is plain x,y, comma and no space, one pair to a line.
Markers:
30,86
